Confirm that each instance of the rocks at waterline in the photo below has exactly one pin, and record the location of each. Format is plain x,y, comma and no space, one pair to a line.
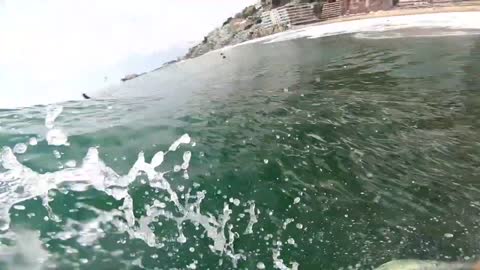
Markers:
244,26
131,77
231,34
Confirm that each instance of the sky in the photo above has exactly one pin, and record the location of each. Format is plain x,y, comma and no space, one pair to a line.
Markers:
53,50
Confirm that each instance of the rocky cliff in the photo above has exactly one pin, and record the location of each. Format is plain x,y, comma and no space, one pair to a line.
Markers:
244,26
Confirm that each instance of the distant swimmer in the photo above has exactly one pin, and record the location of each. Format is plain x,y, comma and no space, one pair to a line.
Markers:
85,96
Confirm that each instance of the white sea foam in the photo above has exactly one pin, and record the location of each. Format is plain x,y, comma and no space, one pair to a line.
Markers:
185,139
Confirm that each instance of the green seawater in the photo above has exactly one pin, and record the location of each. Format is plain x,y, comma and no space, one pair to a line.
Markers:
341,153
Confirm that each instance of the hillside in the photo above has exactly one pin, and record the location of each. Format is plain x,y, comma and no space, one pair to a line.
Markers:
244,26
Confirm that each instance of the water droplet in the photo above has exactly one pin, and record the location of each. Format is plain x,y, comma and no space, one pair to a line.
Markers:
448,235
20,148
19,207
157,159
71,164
236,202
291,241
32,141
57,154
181,239
265,161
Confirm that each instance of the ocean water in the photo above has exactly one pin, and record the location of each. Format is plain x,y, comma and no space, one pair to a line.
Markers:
344,152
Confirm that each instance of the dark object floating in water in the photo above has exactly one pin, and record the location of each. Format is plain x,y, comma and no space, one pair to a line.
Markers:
85,96
224,57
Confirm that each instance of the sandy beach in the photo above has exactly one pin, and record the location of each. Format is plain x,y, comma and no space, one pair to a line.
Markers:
459,7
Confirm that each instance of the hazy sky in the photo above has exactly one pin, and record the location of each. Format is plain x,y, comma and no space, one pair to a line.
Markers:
55,49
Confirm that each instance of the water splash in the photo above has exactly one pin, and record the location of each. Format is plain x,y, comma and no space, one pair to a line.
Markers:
21,183
278,262
52,111
54,136
253,218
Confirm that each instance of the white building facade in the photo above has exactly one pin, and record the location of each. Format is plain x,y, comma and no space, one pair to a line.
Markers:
290,14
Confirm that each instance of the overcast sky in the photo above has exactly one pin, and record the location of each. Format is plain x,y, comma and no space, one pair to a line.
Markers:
55,49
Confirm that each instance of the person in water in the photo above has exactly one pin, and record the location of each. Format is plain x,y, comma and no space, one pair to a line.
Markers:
85,96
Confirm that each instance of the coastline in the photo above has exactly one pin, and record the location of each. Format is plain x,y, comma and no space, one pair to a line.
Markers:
298,31
233,33
459,7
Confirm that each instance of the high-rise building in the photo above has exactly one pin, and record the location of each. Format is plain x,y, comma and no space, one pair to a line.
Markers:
292,13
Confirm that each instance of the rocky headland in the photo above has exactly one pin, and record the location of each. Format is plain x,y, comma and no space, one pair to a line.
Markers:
244,26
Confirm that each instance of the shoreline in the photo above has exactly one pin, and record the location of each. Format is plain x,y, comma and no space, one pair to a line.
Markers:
460,7
465,6
393,13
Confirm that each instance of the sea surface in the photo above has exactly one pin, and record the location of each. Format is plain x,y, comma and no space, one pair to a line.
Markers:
343,152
